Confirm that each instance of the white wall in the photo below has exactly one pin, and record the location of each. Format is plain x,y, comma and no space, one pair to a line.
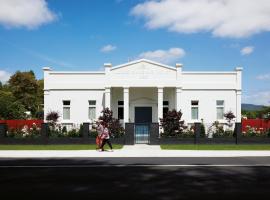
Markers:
207,103
142,77
79,103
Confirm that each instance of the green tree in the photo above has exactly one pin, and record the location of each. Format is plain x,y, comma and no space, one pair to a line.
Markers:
24,87
10,108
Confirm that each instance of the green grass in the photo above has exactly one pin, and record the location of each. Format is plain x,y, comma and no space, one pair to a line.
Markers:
216,147
55,147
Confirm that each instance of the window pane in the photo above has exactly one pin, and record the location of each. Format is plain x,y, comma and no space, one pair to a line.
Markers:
92,102
66,103
195,103
92,113
120,113
66,113
165,110
220,113
120,103
220,103
165,103
194,113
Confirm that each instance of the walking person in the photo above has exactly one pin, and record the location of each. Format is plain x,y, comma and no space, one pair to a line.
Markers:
105,136
100,129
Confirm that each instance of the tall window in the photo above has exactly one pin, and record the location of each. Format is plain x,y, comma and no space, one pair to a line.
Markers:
165,107
220,109
195,110
120,110
92,109
66,109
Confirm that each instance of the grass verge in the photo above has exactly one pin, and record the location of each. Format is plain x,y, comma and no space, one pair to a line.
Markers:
55,147
216,147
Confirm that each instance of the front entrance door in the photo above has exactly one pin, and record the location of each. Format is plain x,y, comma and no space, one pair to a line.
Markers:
143,118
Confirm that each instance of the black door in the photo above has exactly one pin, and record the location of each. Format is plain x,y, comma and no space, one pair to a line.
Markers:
143,118
143,114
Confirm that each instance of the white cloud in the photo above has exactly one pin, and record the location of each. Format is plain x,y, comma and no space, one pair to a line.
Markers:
247,50
4,76
164,56
25,13
260,98
108,48
263,77
224,18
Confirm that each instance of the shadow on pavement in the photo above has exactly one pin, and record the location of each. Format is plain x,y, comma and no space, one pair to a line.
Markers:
131,182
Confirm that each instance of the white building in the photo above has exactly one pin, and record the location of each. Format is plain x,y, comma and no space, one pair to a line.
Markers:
140,91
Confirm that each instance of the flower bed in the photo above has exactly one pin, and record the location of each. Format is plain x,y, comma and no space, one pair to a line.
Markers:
25,132
255,132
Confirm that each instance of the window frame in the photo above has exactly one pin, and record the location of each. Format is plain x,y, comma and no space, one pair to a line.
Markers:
195,106
120,105
165,105
220,106
92,106
66,106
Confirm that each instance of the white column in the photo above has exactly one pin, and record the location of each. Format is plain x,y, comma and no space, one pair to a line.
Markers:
238,105
160,103
108,97
126,104
178,98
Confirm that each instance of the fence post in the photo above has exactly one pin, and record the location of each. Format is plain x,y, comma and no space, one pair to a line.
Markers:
44,130
238,132
85,132
3,130
197,132
129,133
154,133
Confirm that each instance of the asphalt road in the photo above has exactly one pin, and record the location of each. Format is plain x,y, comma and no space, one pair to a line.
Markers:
136,178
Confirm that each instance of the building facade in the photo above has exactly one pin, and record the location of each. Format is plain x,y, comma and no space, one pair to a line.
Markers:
141,91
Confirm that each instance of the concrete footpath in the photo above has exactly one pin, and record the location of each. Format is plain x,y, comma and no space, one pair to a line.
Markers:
131,151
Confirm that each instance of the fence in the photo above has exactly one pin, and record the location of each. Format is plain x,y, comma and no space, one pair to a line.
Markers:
19,124
85,137
258,124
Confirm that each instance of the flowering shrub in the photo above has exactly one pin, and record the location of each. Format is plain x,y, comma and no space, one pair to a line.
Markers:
255,132
58,130
25,132
172,124
217,130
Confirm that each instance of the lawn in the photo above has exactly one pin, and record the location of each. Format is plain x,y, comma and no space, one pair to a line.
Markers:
216,147
55,147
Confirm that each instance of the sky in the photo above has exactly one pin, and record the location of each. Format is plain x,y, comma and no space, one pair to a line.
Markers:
203,35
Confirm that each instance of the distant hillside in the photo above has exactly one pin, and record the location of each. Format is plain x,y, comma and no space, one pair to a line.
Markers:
246,106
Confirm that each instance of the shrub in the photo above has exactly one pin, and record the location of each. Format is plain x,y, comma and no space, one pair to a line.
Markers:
172,124
202,133
255,132
25,132
229,116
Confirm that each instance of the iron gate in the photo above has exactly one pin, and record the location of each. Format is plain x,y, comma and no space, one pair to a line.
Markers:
142,133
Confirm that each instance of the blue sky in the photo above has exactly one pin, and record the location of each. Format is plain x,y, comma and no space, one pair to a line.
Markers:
84,34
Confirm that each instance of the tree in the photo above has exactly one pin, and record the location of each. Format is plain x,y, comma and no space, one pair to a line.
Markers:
10,108
24,87
171,123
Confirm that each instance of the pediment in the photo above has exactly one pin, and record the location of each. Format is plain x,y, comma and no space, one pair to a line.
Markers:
143,69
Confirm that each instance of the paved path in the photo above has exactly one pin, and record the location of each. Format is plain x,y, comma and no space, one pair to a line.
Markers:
131,151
